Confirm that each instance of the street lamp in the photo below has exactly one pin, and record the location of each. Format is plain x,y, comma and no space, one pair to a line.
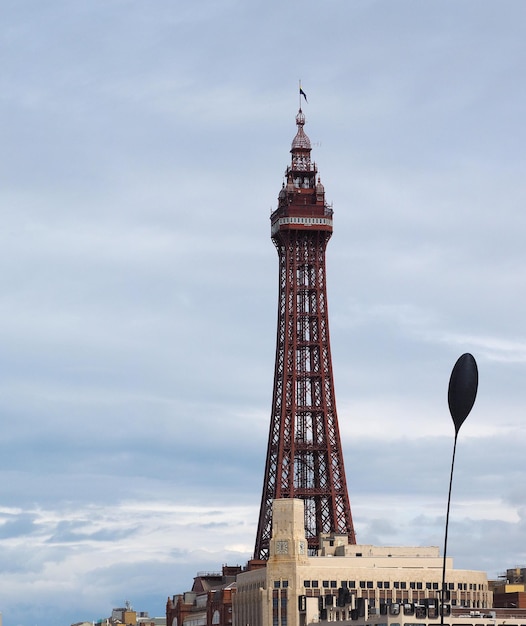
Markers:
461,396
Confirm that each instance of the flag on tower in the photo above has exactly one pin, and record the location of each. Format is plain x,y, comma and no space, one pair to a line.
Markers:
302,93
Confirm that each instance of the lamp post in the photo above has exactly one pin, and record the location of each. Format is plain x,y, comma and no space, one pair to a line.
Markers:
462,392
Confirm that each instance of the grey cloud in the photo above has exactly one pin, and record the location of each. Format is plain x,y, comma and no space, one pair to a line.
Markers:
138,298
18,525
76,532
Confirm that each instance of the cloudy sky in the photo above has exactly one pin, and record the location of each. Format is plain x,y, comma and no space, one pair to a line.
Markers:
143,145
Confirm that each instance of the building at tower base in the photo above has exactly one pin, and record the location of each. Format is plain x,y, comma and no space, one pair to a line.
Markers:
209,603
346,582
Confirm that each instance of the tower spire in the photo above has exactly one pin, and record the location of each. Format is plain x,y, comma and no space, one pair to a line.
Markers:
304,455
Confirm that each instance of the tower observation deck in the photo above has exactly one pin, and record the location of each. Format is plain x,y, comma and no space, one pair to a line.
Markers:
304,455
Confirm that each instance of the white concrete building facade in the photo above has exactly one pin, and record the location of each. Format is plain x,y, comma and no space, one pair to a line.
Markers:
345,582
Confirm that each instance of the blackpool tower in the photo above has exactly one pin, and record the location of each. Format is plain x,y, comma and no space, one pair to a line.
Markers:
304,454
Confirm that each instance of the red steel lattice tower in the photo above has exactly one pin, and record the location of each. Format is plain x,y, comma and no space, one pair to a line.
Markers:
304,455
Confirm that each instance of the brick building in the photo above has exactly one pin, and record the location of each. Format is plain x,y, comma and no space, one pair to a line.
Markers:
209,603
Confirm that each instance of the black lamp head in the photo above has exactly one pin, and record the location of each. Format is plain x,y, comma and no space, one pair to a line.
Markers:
462,390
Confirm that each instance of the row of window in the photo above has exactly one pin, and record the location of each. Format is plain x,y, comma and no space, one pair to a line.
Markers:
424,624
305,220
369,584
332,584
460,602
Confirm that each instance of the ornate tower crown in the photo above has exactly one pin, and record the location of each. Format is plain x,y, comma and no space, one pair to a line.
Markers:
301,200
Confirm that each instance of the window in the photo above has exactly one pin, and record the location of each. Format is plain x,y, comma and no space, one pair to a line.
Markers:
419,585
277,584
283,608
369,584
403,585
306,583
409,609
314,583
394,609
380,584
284,583
352,584
386,584
362,584
333,584
325,583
